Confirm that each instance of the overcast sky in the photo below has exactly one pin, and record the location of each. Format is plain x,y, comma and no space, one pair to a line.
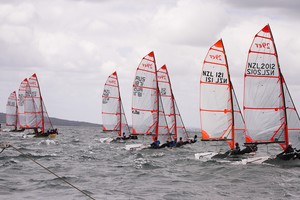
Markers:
74,45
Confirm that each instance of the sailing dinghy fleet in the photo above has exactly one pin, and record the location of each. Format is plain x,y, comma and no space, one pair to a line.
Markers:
270,114
28,111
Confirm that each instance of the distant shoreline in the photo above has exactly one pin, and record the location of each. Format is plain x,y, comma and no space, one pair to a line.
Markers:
59,122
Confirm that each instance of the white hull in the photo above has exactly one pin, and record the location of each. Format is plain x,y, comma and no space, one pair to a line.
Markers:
287,163
106,140
238,159
253,160
205,156
130,147
27,135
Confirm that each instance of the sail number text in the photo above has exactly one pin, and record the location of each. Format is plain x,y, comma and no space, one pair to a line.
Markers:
138,84
217,77
263,69
105,96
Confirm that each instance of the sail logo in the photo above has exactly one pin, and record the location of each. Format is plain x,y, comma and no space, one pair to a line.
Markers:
112,82
32,83
215,57
262,69
162,77
148,65
263,45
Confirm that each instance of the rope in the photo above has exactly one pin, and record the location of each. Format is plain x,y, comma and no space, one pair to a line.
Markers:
86,194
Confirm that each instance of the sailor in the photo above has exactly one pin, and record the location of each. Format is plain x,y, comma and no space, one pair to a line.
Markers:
249,148
133,137
124,136
288,153
194,140
155,144
172,143
167,144
236,150
296,154
180,143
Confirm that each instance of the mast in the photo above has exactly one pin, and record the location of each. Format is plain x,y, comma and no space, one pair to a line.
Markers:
172,101
123,122
157,96
281,79
231,99
17,107
41,101
120,109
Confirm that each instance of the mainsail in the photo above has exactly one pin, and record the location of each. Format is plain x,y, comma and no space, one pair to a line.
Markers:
221,118
113,114
147,110
270,114
21,103
12,110
35,111
174,120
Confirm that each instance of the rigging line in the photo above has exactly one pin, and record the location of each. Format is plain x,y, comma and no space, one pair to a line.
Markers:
9,145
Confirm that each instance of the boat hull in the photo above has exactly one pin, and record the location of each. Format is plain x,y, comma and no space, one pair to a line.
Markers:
132,147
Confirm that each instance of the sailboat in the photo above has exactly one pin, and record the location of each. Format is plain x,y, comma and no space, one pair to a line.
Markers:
12,112
113,115
270,113
148,117
173,117
36,116
221,118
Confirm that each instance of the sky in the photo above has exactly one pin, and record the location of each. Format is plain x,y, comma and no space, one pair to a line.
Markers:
74,45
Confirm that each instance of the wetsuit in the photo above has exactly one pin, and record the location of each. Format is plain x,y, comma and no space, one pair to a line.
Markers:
155,145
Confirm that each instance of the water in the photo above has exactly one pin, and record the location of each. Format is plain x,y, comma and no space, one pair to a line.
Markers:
107,171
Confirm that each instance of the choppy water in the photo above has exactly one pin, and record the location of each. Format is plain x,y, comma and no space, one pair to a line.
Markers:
107,171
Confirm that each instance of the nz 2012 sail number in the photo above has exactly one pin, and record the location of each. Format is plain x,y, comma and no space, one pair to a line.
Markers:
263,69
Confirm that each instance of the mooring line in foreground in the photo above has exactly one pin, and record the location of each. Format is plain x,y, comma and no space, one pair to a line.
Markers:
86,194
